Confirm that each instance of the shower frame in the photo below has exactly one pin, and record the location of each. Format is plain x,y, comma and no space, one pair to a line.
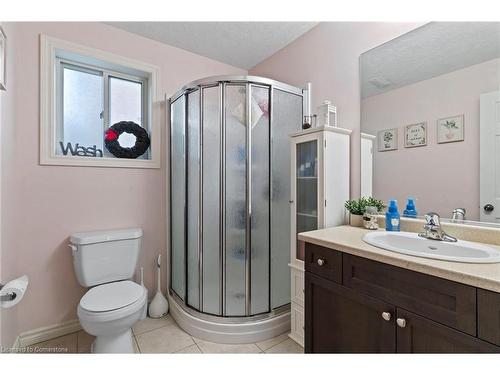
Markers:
222,82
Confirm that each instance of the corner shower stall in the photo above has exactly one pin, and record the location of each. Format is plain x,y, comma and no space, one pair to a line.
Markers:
230,206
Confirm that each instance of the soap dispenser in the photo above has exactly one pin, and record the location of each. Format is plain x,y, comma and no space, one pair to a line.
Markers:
392,216
410,210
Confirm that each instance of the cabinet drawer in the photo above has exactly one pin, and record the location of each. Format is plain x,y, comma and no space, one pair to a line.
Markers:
488,316
443,301
297,287
324,262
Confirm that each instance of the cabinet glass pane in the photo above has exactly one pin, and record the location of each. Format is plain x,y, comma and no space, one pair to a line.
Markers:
307,190
211,200
260,200
287,119
82,106
193,199
178,187
236,211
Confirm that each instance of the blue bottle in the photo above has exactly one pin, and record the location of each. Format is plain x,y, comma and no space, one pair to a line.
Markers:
410,210
392,216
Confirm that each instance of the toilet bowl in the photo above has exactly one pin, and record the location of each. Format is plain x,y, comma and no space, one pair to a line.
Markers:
109,311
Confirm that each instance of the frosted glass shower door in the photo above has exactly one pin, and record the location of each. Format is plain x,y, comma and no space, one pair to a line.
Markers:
259,182
211,194
287,119
235,199
178,186
193,199
230,213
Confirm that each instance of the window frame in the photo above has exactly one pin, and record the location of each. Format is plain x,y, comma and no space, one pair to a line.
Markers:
55,54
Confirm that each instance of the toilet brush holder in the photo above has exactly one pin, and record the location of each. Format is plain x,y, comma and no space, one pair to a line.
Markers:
159,305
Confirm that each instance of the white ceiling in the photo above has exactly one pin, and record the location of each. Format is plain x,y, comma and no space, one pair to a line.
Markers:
429,51
241,44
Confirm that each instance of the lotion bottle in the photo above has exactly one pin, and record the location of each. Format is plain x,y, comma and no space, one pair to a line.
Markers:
410,210
392,218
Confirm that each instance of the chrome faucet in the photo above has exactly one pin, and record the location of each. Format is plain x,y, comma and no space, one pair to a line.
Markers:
433,230
458,214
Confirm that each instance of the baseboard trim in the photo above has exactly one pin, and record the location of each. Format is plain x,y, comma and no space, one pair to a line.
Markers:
47,333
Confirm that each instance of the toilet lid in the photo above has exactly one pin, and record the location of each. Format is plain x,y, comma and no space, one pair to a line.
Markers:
111,296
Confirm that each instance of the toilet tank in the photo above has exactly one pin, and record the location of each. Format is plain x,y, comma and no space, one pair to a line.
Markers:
105,256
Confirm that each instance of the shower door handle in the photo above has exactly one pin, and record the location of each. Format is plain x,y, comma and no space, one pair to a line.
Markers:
290,201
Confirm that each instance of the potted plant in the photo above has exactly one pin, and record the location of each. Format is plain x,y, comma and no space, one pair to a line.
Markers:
357,207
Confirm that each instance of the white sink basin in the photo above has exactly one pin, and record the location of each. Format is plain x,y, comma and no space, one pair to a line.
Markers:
412,244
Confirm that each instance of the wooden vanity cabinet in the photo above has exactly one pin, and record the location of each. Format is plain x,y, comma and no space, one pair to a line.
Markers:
339,320
378,308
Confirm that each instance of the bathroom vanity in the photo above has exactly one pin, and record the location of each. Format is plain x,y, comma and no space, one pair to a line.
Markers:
362,299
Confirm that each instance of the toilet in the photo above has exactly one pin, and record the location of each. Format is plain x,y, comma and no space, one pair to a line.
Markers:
105,261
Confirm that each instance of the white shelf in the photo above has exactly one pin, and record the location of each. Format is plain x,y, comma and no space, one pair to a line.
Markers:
307,215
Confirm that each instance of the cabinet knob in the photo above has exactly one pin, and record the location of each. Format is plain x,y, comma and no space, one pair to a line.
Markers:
386,316
488,207
321,262
401,322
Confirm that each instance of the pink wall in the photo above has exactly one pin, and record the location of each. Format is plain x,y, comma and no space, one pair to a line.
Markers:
8,318
441,176
327,56
43,205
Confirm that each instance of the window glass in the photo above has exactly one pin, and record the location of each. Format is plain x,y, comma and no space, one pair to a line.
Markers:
125,104
82,109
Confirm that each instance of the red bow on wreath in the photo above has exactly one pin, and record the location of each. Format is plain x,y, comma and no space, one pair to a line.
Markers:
111,135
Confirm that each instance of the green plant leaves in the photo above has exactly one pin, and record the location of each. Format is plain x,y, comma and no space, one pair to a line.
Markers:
358,206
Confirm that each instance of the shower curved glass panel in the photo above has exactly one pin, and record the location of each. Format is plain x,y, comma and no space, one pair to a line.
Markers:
230,195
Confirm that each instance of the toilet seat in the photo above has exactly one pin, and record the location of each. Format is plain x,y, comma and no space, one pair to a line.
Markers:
112,296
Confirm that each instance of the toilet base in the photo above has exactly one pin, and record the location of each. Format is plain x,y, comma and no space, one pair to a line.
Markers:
118,343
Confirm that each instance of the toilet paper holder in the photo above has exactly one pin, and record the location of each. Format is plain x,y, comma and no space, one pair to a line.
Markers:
7,297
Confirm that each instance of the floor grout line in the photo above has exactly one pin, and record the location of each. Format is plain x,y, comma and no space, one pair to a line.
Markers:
154,329
201,351
137,344
286,338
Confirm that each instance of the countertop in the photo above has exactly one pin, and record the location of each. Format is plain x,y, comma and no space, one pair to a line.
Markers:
348,239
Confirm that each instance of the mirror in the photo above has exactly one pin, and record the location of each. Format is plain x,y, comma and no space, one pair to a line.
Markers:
430,120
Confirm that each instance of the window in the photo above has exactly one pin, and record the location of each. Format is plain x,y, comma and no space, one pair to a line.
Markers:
83,93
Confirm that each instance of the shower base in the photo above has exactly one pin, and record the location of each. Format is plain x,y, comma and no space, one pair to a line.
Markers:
230,330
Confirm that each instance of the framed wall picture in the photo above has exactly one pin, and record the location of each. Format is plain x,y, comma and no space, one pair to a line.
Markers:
450,129
416,135
3,48
387,140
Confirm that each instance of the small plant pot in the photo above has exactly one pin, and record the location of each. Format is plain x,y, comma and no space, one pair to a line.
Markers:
355,220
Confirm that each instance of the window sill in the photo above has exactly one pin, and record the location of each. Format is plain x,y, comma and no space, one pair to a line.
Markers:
84,161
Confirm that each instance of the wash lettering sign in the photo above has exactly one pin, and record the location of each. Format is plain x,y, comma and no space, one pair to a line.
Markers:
79,150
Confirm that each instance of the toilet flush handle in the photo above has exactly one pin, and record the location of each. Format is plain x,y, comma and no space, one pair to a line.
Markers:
73,248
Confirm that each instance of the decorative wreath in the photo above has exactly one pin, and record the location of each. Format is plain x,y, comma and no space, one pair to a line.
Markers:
142,141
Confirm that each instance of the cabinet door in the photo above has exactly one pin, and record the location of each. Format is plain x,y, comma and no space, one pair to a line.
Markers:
340,320
305,189
416,334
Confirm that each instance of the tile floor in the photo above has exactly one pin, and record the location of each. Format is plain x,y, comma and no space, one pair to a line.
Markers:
165,336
